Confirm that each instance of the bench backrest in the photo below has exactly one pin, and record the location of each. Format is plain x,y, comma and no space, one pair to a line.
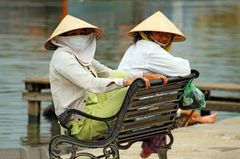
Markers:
150,112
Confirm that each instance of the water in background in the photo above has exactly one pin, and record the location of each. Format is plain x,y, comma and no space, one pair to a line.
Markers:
212,45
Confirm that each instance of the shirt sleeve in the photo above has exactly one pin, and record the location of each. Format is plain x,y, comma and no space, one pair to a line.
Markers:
160,61
69,68
101,70
134,74
104,71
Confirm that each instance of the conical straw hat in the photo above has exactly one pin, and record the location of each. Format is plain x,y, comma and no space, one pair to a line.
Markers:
70,23
159,22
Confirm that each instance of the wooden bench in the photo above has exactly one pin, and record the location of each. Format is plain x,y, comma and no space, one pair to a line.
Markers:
144,113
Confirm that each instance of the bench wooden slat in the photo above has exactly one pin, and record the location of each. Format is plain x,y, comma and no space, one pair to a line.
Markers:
147,122
143,134
151,111
167,126
162,88
148,101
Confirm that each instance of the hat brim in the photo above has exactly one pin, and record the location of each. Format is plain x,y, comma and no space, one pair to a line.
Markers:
50,46
70,23
158,22
176,37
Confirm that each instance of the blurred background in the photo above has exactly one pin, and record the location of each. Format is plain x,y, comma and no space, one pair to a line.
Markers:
212,28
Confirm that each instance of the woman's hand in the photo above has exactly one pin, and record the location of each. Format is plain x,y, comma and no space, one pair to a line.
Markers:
127,82
153,76
147,77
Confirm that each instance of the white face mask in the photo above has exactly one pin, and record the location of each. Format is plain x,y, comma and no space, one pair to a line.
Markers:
79,41
83,46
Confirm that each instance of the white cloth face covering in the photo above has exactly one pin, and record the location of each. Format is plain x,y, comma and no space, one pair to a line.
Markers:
83,46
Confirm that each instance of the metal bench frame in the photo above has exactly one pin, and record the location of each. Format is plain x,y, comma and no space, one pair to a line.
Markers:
144,113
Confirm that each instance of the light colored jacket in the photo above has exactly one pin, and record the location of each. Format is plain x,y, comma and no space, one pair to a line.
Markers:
70,81
149,57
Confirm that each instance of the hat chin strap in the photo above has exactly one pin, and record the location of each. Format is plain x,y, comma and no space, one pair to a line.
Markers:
150,38
144,36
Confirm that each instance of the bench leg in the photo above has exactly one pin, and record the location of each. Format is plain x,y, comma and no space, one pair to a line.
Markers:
162,153
62,145
163,147
111,151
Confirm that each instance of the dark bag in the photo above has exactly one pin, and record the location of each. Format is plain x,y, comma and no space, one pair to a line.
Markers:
193,98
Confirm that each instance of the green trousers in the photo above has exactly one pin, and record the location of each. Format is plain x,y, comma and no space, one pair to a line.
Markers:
100,105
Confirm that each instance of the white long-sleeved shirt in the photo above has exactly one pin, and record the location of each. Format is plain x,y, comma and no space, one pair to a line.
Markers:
149,57
70,81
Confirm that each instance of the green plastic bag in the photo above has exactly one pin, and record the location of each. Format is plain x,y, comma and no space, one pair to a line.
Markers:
193,98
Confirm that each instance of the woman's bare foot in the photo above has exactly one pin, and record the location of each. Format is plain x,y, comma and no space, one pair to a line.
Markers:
210,119
197,118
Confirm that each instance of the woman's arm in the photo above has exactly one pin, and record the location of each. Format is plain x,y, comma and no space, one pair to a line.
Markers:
160,61
67,66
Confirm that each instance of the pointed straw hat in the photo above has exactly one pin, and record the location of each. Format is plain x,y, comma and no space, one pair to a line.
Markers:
70,23
160,23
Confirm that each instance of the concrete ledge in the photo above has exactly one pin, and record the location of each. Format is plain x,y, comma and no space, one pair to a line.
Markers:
215,141
12,153
25,153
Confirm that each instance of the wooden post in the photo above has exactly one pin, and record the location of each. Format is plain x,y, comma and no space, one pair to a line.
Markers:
207,95
34,108
33,93
33,134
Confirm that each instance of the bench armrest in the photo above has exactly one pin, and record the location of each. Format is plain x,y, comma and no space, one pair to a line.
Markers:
64,118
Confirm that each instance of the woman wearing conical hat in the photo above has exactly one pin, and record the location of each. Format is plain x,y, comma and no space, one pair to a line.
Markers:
78,81
150,53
